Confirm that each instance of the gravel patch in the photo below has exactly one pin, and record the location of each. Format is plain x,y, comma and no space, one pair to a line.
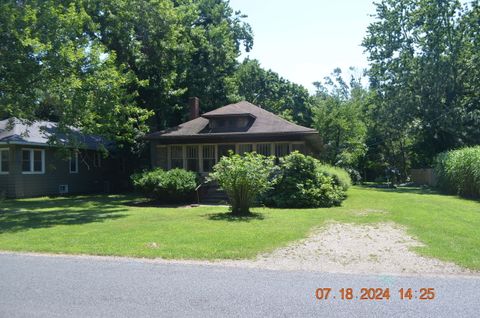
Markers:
350,248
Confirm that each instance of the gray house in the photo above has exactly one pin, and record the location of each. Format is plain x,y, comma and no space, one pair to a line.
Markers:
242,127
31,166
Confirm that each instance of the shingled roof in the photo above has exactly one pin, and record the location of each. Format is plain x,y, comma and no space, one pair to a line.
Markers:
39,133
264,123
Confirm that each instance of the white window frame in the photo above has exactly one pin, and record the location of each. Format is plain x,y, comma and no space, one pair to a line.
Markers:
186,158
215,152
70,163
171,158
237,147
165,149
2,150
32,164
215,145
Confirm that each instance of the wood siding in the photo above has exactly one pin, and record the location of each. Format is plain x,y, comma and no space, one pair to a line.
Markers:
89,179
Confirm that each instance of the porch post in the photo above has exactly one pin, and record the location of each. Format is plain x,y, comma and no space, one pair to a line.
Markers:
200,158
169,157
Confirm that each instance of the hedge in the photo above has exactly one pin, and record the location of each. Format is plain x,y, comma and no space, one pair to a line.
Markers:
172,186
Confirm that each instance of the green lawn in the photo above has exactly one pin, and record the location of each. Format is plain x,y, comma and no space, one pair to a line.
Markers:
117,225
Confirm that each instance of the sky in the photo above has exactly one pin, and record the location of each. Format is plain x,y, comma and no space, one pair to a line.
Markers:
304,40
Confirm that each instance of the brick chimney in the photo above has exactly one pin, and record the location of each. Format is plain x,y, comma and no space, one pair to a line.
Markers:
194,103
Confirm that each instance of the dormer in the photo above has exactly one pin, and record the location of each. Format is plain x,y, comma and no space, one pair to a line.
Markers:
229,122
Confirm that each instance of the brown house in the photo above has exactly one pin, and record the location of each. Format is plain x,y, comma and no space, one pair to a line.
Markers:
30,166
242,127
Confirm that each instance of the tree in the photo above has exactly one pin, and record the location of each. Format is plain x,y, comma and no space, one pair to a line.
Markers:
107,66
338,115
52,68
178,49
424,71
243,178
274,93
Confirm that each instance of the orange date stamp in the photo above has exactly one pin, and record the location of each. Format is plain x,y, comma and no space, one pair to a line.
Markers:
376,294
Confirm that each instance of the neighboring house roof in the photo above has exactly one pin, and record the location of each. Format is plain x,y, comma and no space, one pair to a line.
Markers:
263,123
39,133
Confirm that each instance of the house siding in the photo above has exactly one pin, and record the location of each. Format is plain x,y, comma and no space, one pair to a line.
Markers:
7,185
89,179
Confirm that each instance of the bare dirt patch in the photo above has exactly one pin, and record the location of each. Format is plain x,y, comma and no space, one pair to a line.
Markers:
350,248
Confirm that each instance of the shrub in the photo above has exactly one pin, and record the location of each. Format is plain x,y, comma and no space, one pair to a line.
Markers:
243,178
176,185
458,171
340,176
303,182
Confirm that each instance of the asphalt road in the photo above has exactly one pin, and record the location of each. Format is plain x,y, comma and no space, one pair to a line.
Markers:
43,286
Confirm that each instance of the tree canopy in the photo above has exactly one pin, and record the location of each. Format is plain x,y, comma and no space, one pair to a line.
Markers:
424,66
107,66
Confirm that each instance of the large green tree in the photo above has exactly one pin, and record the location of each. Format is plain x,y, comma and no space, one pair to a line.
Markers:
106,66
176,48
51,67
424,61
339,117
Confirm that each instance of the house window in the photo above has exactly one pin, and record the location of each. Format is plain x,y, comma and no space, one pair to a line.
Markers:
208,157
4,160
176,157
161,157
224,150
264,149
192,158
73,163
281,150
299,147
243,148
33,161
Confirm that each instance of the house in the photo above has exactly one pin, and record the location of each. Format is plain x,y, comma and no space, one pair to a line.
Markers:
31,166
198,144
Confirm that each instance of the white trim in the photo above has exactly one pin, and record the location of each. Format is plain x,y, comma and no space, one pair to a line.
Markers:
200,158
32,164
216,145
215,151
1,159
70,163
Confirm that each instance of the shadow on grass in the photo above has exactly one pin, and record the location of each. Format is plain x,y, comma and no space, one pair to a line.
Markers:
411,190
30,214
145,203
229,217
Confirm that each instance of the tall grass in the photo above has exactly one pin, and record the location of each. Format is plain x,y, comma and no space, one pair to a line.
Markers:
458,171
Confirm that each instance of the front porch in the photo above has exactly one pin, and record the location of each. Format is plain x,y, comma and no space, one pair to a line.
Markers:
202,157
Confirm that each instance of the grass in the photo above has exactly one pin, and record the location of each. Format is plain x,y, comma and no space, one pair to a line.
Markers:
117,225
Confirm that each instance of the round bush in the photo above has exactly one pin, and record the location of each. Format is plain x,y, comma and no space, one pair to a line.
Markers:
304,182
243,178
172,186
458,171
